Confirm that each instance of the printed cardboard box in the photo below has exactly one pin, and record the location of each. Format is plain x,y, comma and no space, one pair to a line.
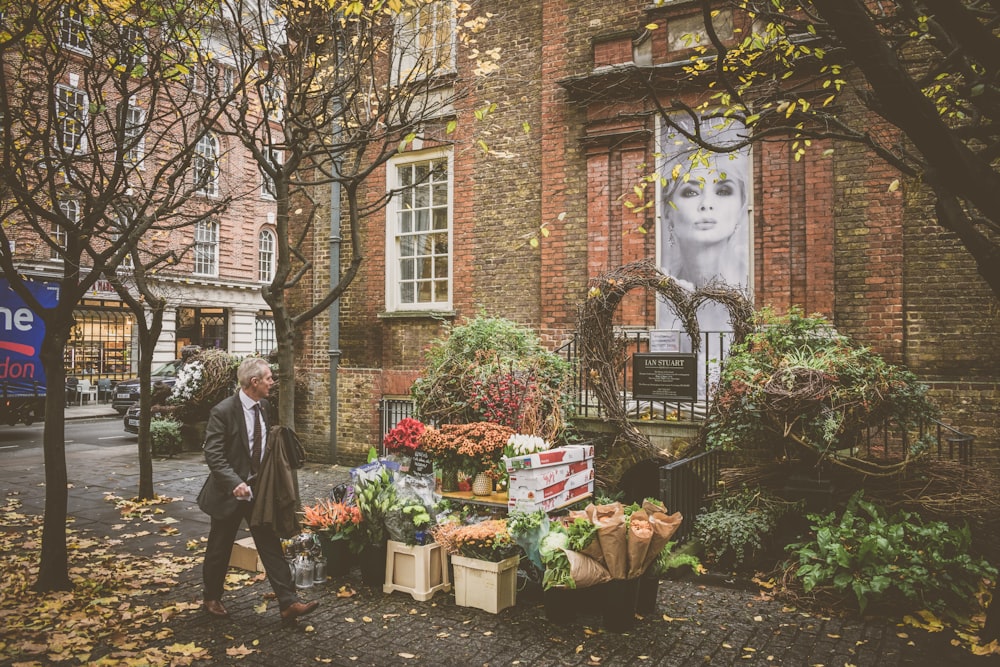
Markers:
517,491
539,478
550,457
567,497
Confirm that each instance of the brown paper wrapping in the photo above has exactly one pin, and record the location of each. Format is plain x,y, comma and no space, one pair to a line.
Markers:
593,550
585,571
664,526
638,545
610,522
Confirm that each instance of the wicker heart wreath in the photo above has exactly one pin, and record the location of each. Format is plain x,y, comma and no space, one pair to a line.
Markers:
603,354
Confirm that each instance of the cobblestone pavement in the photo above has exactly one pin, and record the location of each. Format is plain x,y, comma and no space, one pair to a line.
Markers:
695,624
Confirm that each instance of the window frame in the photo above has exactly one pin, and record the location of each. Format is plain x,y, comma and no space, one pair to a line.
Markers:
407,52
266,257
59,234
64,118
72,21
135,131
206,248
268,189
211,187
394,298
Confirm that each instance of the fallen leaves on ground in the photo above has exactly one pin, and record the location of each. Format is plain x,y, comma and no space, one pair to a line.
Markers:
107,610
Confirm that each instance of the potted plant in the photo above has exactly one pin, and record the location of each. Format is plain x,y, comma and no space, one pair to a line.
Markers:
207,378
375,494
415,564
485,558
165,436
335,523
402,440
476,447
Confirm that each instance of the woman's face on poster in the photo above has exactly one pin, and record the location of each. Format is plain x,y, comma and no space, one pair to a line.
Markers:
706,208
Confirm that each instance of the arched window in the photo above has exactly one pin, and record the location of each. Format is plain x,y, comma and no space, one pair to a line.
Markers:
206,165
265,256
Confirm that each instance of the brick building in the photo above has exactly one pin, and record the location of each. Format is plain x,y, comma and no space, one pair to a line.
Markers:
213,288
570,137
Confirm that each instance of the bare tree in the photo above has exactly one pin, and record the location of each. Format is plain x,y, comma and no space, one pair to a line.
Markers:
331,94
100,155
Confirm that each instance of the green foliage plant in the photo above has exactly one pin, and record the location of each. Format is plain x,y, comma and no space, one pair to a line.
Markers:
736,529
796,383
165,436
494,369
897,559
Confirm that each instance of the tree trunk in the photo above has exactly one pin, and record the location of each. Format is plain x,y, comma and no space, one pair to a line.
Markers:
148,335
53,571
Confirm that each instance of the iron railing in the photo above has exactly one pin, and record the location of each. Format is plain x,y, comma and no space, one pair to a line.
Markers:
714,346
684,484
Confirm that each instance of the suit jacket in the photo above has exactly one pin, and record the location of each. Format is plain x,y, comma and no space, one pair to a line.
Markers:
276,501
227,452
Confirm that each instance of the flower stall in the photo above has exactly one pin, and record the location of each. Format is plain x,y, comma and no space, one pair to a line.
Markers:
413,535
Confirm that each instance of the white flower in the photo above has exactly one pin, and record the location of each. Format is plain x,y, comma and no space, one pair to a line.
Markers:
520,444
188,382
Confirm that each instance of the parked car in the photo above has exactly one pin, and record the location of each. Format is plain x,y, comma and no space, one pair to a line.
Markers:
127,391
131,420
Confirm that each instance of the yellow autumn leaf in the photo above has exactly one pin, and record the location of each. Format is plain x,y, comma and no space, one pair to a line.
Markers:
894,185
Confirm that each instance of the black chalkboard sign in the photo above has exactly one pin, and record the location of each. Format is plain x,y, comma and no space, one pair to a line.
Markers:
422,464
665,377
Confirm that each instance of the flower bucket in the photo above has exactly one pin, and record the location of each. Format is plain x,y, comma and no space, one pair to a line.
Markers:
338,557
620,598
485,585
372,562
649,588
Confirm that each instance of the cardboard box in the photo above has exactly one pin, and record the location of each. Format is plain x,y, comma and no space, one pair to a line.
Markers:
245,556
539,478
550,457
518,492
567,497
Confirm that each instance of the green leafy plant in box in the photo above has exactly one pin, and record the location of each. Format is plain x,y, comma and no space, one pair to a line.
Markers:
165,436
897,559
737,527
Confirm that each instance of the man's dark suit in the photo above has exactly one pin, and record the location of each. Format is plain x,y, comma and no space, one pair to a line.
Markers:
227,451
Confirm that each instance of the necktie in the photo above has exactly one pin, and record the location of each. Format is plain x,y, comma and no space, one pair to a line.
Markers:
257,440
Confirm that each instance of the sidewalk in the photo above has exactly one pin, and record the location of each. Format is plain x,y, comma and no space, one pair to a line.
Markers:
695,624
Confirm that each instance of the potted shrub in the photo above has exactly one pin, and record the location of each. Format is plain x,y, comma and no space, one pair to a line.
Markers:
335,524
165,436
485,558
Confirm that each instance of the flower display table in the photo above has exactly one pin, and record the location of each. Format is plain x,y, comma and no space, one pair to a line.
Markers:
420,570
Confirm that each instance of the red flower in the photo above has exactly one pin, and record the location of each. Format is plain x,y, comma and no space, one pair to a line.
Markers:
405,436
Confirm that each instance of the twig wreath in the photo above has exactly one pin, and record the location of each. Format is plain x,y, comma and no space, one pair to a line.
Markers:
603,353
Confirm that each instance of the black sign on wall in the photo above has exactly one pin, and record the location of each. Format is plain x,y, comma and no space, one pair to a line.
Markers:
665,377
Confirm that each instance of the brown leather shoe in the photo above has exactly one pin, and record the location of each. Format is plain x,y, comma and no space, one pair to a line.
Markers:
215,608
290,613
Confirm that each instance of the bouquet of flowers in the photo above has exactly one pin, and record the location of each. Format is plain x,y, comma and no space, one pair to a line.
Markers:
332,520
478,445
487,540
404,437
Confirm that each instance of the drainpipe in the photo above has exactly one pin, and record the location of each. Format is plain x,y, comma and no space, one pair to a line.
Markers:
334,352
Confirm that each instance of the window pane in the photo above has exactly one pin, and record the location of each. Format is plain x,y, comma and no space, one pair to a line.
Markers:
405,222
440,194
440,244
440,218
421,196
441,290
423,220
424,294
406,293
440,267
407,246
406,269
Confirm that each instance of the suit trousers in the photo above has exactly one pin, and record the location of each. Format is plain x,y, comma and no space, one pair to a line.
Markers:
221,537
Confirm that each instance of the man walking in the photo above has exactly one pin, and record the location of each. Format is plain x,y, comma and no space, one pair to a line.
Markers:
235,442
